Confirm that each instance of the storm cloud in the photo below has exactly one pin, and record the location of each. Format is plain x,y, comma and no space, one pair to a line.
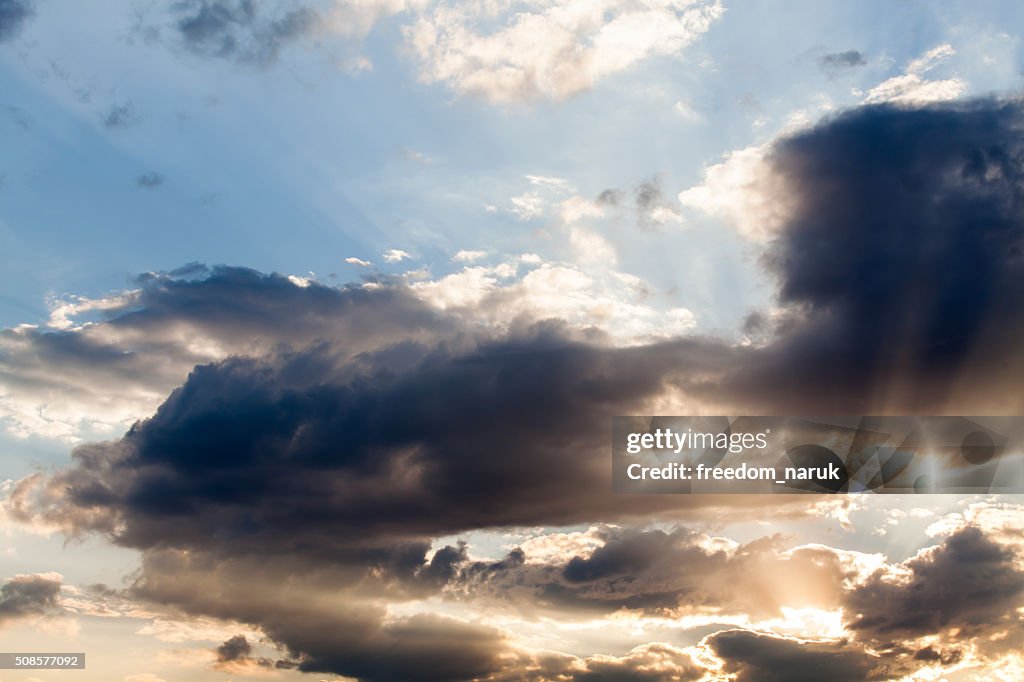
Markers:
900,266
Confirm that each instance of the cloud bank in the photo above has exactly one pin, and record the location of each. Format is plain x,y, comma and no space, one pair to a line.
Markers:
351,429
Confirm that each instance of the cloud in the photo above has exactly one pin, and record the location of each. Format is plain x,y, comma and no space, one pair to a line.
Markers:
352,260
913,88
756,657
150,180
591,248
544,180
100,375
323,633
588,296
235,655
863,306
13,15
396,255
653,209
308,421
577,208
549,50
931,59
29,595
233,649
902,292
655,662
837,63
241,30
528,205
468,256
257,32
969,585
121,115
639,570
744,190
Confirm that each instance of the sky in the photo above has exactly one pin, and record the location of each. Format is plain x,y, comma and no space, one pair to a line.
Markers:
314,316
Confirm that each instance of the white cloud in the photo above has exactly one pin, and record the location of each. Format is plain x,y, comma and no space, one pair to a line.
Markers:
685,111
358,261
594,297
555,548
528,205
396,255
468,256
591,248
911,87
460,289
63,309
576,208
664,215
549,49
546,180
931,58
743,191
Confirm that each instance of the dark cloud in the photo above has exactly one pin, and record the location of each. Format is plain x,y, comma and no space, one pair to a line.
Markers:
29,595
323,631
648,195
609,197
327,617
901,264
140,343
756,657
319,449
13,15
235,655
150,180
840,62
969,583
241,30
640,570
930,654
648,198
121,115
651,206
234,649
